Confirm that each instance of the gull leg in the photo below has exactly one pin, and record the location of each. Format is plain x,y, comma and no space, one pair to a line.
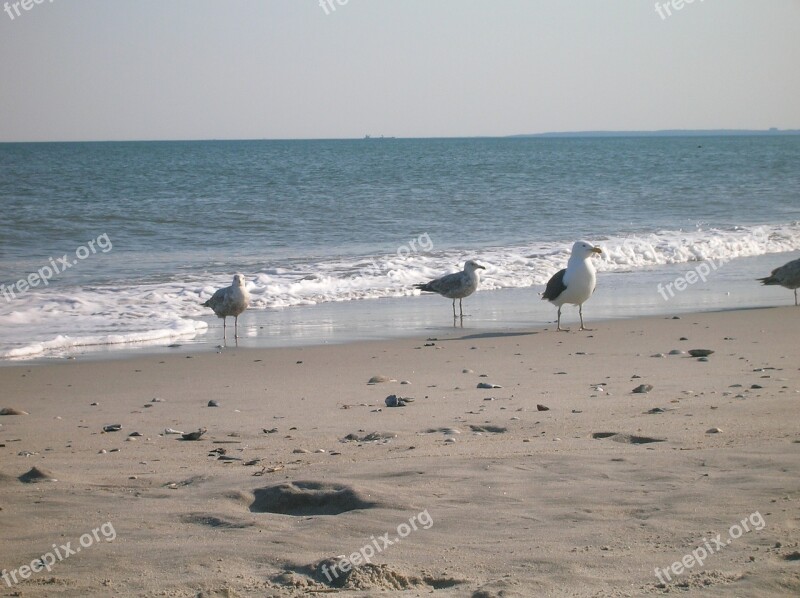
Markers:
461,309
558,325
235,326
795,296
580,313
454,309
225,328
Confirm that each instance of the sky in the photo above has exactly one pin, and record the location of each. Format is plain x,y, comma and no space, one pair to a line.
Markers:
73,70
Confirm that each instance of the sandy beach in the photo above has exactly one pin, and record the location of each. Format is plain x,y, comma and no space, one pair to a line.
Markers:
556,479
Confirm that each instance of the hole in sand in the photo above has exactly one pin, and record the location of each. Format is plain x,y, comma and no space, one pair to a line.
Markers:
308,498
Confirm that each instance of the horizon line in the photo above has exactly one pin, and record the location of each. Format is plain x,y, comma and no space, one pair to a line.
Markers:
550,134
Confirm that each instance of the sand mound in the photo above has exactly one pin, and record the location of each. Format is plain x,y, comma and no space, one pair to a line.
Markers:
36,474
325,574
308,498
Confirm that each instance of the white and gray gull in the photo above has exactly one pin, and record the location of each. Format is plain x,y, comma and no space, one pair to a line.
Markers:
230,301
575,283
787,276
455,286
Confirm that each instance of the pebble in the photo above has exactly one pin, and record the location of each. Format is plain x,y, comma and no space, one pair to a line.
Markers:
95,404
194,435
658,355
714,431
467,371
542,408
395,401
213,403
12,411
676,352
449,439
642,389
300,451
700,352
755,386
405,382
379,380
112,428
488,385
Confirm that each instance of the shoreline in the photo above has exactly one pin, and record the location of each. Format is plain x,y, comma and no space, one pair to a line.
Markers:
587,497
619,296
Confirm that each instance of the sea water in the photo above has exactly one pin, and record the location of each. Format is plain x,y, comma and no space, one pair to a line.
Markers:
333,234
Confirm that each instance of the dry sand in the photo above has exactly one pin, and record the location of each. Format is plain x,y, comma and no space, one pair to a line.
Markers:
508,500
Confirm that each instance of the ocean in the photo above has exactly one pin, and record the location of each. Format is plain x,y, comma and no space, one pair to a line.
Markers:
132,237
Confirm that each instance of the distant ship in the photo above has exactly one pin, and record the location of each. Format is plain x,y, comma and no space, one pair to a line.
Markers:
366,137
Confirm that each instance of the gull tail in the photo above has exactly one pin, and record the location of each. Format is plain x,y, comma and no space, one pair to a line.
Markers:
424,287
768,280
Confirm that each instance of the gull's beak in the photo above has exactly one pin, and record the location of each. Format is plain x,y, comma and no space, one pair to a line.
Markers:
482,267
596,250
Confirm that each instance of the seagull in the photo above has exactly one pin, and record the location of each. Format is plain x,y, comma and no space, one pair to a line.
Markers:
230,301
787,276
456,286
574,284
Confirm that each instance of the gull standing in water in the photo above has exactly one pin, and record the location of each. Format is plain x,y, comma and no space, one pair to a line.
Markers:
574,284
230,301
788,276
455,286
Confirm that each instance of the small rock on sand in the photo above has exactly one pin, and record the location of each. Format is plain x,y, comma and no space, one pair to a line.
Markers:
541,407
714,431
193,435
213,403
488,385
700,352
642,389
12,411
379,380
395,401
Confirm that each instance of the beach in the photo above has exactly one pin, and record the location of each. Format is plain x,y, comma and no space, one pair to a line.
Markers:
557,479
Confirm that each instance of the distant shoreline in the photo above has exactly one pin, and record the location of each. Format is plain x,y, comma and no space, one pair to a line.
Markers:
667,133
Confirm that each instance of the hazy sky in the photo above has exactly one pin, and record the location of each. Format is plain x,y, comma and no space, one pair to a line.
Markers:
203,69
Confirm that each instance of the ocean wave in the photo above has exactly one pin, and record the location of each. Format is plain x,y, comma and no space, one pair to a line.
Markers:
49,321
